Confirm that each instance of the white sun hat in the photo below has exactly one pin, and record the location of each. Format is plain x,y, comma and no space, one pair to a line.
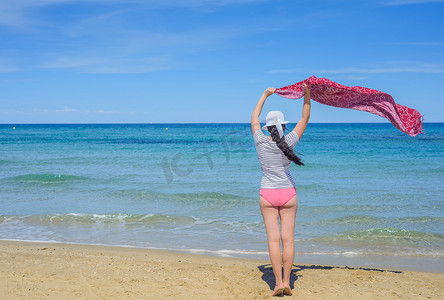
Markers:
275,118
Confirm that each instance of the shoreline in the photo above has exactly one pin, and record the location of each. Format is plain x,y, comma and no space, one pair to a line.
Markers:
45,269
385,262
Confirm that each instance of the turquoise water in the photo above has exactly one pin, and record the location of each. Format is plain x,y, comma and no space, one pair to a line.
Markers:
367,190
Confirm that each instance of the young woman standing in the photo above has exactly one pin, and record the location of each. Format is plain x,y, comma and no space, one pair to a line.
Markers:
278,200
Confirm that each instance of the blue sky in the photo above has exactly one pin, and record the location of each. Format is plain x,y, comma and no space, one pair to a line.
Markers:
135,61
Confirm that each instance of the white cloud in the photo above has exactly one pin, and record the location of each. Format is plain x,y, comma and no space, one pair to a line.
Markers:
10,111
111,49
16,13
71,110
5,67
7,70
41,110
110,64
102,111
355,77
66,110
70,62
109,42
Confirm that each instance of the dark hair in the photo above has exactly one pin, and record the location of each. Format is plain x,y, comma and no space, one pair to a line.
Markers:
282,144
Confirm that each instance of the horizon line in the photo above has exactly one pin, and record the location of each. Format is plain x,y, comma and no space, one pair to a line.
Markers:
159,123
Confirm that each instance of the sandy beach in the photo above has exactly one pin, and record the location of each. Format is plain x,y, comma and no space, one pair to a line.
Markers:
31,270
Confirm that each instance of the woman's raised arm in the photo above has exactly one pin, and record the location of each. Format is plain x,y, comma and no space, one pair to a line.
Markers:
302,124
255,123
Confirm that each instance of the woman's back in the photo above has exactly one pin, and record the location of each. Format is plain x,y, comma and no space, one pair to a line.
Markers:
275,165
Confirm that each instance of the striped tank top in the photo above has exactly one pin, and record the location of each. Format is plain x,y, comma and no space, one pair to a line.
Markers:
275,165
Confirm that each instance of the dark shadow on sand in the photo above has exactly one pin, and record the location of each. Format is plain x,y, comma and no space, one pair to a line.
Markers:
268,275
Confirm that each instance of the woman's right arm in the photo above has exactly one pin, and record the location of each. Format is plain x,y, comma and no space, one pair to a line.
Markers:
302,124
255,124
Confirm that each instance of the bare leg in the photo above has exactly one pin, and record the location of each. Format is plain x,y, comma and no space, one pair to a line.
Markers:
270,215
287,215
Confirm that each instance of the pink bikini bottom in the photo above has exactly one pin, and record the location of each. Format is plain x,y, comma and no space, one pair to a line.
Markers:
278,197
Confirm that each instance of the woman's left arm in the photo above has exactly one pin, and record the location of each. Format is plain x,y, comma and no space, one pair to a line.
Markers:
255,123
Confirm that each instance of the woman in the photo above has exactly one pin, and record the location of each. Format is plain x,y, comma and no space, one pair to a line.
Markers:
278,200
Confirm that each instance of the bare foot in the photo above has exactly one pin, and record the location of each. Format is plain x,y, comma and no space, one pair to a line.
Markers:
278,291
287,291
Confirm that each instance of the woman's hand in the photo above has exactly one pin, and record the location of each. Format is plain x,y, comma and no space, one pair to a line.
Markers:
306,90
269,91
255,124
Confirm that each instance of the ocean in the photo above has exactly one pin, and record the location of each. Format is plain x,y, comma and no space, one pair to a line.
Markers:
368,194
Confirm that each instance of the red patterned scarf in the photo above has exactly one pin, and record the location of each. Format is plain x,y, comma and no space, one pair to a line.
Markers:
325,91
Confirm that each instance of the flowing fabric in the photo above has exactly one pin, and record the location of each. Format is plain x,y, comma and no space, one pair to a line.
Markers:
325,91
